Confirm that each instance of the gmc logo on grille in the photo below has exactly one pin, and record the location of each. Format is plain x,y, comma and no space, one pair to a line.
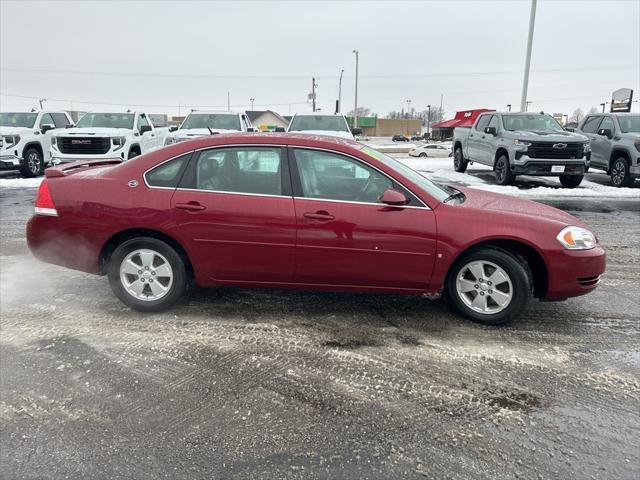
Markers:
559,145
80,142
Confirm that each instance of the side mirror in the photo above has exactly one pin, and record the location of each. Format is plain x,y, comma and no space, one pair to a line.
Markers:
394,197
605,132
144,129
46,127
490,130
173,128
280,129
356,131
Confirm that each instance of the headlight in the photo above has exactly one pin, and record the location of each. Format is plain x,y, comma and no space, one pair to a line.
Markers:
576,238
521,145
118,142
10,140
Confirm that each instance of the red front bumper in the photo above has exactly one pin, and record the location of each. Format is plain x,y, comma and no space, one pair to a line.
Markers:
574,272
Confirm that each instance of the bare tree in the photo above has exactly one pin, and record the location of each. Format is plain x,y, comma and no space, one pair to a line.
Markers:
592,110
437,115
362,112
577,115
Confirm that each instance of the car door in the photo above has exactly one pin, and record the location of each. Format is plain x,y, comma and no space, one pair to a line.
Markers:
474,141
601,144
45,140
486,145
589,129
234,212
346,237
147,139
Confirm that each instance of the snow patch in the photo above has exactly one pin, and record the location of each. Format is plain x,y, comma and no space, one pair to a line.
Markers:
20,182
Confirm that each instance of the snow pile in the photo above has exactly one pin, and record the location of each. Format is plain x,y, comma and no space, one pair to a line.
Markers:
20,182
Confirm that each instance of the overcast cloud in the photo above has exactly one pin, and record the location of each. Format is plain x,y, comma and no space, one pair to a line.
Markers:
160,55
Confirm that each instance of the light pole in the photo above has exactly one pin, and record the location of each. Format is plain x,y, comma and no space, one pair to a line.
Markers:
602,105
340,91
527,62
509,106
252,99
526,105
408,107
429,121
42,100
355,107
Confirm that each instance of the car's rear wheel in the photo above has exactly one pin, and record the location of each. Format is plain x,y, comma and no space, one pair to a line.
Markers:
490,286
503,171
620,175
571,181
423,154
33,164
459,163
146,274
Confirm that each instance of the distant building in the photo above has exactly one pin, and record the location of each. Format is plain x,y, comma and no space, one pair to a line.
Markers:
387,127
464,118
267,120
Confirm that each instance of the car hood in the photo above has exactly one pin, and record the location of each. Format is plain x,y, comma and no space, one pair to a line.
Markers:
97,131
186,133
329,133
549,136
15,130
497,202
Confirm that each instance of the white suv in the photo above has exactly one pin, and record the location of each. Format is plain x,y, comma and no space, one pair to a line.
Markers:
199,123
25,139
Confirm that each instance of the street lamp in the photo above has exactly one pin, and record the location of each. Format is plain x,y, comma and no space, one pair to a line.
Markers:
602,105
527,62
509,106
429,121
252,99
408,106
340,91
526,105
355,108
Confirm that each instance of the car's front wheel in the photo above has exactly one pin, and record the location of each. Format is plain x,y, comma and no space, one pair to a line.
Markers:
423,154
489,285
503,173
459,163
571,181
33,164
147,274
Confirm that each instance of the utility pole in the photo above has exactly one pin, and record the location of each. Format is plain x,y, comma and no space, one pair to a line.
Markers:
429,121
228,101
441,98
355,107
602,105
527,62
340,92
313,93
509,106
42,100
526,105
252,99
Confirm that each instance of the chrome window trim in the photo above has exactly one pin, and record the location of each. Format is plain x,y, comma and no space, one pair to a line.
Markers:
362,203
371,166
232,193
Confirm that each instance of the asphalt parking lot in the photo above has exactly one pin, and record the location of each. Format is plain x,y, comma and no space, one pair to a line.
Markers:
273,384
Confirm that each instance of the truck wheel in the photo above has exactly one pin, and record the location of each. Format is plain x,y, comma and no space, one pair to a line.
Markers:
33,164
503,171
133,153
459,163
620,176
146,274
571,181
489,286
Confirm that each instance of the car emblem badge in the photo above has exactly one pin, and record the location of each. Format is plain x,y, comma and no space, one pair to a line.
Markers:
133,183
559,145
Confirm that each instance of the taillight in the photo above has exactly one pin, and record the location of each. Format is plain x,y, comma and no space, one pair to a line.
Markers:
44,202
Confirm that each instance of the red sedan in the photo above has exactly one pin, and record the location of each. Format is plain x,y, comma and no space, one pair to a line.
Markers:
303,211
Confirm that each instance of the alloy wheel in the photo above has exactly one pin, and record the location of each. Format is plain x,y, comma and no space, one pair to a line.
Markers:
484,287
33,162
146,275
618,173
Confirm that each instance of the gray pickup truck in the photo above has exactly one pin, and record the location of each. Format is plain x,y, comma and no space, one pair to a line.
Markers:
522,144
615,145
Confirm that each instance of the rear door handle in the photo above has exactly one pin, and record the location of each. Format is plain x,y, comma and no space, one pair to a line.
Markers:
321,215
190,206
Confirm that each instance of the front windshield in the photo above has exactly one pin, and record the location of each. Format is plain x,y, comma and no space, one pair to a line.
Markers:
107,120
218,121
423,182
530,122
25,120
301,123
629,123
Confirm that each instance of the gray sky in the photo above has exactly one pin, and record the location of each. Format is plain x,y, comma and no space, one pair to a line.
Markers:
156,55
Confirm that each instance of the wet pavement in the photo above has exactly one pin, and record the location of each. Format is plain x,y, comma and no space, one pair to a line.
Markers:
274,384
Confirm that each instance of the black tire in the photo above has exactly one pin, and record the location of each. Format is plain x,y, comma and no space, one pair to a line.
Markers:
571,181
459,162
502,170
518,273
133,153
33,163
175,289
620,175
423,155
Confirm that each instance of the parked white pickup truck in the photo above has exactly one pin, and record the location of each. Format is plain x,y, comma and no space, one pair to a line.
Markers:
25,139
331,124
199,123
103,135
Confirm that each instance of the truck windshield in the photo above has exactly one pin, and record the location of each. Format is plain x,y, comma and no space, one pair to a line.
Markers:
423,182
530,122
26,120
629,123
107,120
301,123
219,121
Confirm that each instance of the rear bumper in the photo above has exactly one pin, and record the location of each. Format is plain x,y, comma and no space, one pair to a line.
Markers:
574,272
49,243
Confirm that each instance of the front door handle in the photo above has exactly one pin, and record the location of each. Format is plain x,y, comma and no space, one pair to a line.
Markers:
320,215
190,206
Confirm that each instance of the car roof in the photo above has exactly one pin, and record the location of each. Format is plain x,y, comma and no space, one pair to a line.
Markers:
268,138
319,114
213,111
